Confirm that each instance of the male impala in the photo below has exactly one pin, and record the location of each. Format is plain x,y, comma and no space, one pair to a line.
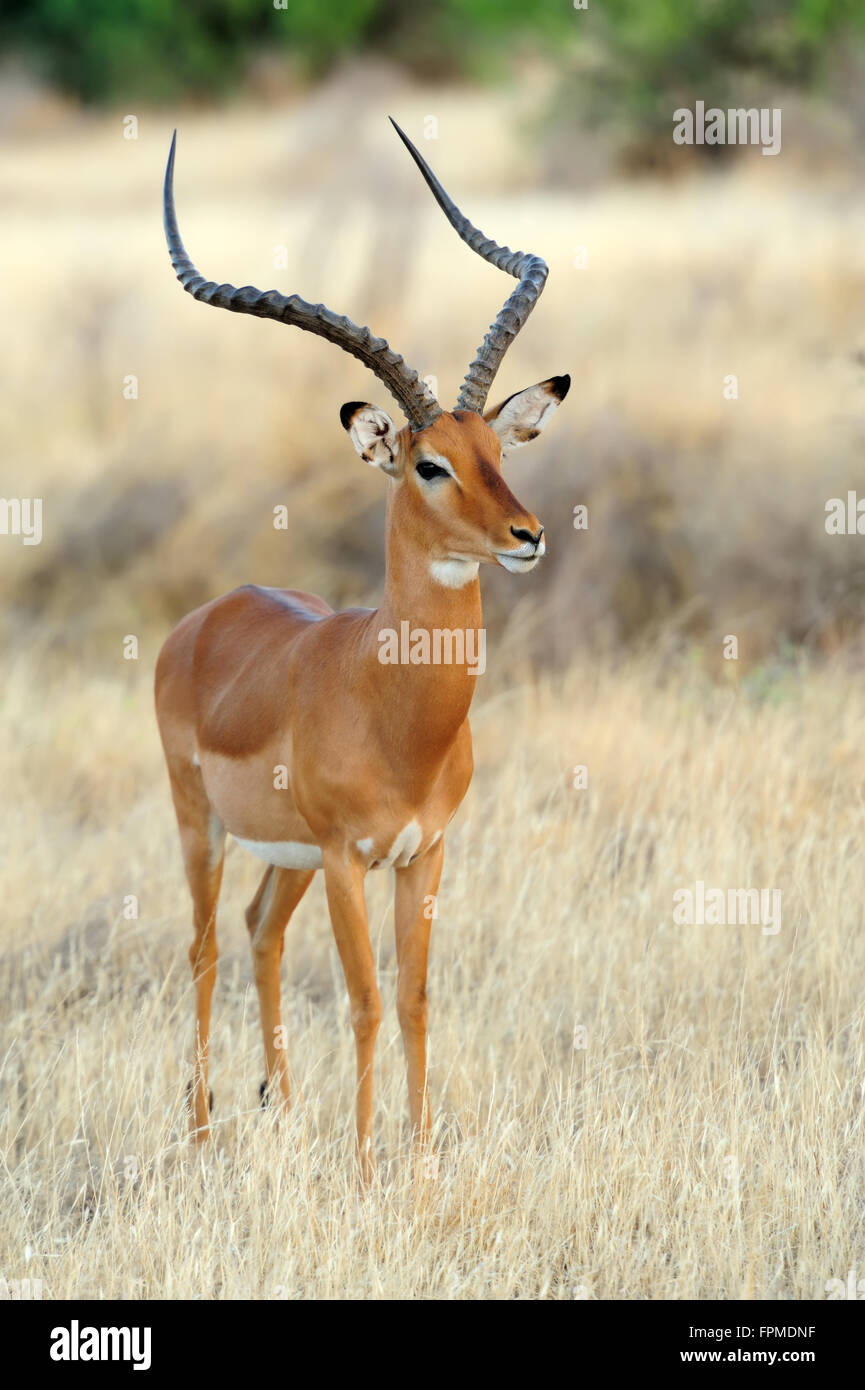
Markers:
378,755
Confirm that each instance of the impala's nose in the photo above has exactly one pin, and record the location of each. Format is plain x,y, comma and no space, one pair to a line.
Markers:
528,550
522,534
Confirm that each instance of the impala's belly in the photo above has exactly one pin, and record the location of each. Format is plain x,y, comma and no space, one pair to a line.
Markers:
254,800
269,825
285,854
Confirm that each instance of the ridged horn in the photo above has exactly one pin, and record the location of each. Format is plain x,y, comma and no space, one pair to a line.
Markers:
529,269
416,400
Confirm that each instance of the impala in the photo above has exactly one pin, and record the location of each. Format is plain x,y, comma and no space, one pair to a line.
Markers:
283,726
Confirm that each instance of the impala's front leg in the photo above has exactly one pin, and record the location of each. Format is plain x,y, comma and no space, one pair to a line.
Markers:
344,882
416,887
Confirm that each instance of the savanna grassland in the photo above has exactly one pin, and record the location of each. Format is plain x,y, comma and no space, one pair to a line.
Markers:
625,1107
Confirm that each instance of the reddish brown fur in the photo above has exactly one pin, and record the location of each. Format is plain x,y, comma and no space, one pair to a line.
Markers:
263,677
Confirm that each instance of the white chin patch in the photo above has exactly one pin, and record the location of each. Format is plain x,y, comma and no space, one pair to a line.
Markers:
454,573
517,564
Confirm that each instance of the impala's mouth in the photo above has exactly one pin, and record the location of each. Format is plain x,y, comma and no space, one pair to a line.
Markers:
522,560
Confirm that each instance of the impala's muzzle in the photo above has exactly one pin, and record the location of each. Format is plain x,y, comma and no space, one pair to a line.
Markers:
523,557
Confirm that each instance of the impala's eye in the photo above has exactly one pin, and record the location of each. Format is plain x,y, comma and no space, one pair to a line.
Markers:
429,470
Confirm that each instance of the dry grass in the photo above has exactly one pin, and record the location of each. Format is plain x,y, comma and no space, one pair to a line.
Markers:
707,1140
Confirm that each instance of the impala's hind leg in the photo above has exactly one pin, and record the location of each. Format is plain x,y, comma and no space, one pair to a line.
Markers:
266,918
202,840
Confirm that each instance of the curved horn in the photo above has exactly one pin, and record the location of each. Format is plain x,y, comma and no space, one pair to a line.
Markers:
530,270
415,398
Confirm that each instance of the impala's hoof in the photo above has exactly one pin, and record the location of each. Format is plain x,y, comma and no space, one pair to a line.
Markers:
263,1095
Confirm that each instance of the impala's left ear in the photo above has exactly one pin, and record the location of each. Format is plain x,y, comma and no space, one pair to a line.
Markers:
522,417
374,435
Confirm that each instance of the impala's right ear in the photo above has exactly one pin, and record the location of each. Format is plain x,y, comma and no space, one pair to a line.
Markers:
374,435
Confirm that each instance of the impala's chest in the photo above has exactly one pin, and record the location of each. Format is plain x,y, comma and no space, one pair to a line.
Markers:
398,829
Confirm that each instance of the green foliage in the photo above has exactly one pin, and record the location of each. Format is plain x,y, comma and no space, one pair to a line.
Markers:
159,49
642,51
653,53
99,49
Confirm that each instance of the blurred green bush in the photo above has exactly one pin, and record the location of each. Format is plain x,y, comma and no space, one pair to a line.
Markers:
644,51
654,55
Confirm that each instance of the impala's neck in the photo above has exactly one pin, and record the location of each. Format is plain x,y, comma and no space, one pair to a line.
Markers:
434,614
425,591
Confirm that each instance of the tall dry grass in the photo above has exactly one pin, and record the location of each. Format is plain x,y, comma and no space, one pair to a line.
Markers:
706,1141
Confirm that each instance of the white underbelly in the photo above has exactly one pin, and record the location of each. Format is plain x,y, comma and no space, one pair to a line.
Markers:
294,854
285,854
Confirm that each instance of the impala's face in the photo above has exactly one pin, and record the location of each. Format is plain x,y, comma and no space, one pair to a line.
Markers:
452,496
455,489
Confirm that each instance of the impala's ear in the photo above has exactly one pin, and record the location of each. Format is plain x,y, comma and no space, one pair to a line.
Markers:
374,435
522,416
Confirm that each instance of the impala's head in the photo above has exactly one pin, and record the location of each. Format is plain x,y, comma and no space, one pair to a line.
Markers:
451,492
